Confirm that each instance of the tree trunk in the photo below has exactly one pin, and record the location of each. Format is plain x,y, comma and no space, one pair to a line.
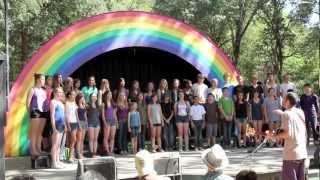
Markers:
24,43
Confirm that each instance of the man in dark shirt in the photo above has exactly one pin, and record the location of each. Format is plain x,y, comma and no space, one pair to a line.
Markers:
241,87
310,106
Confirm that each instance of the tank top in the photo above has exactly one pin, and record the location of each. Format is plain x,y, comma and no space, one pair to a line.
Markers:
155,114
122,113
71,112
38,100
82,114
134,119
108,112
59,111
93,115
182,109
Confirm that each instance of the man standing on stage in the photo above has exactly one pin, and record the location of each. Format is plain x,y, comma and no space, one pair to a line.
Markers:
293,131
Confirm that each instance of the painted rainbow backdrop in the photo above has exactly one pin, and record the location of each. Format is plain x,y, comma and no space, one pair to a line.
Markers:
88,38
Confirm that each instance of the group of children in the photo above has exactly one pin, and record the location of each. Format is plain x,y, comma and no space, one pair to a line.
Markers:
59,108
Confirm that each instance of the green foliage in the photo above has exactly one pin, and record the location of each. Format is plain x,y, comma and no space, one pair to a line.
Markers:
275,38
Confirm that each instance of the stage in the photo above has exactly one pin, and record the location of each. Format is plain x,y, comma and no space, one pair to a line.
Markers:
267,163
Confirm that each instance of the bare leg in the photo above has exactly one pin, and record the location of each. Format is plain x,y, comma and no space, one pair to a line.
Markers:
112,136
42,123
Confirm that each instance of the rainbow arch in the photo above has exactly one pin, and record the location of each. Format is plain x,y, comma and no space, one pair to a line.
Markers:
92,36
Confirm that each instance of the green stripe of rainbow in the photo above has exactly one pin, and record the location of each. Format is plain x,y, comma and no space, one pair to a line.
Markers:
92,36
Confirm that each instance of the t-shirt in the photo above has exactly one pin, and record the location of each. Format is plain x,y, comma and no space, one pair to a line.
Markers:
271,105
287,86
216,92
71,112
196,112
211,112
226,104
293,121
167,109
134,119
200,90
87,91
241,109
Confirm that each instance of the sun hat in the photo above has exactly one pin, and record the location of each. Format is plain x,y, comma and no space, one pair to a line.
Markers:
144,163
215,158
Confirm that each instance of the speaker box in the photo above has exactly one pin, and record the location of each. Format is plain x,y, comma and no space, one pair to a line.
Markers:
41,162
168,164
102,166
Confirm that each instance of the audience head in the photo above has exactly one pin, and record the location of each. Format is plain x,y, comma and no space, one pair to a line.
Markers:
58,93
225,91
211,98
200,78
286,78
71,95
80,99
91,81
144,163
104,85
76,84
240,80
180,95
176,84
214,83
163,84
215,158
271,92
254,79
246,175
49,81
150,87
307,89
39,80
154,97
135,85
195,99
122,83
226,77
290,100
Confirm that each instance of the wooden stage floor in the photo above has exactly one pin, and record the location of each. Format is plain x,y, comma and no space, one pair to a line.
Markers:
265,161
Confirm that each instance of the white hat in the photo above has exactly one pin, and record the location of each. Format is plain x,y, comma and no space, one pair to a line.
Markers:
215,158
144,163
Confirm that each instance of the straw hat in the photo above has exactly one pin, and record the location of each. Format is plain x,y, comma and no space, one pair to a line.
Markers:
144,163
215,158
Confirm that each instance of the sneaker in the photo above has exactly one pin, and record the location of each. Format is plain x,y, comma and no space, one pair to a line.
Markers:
153,151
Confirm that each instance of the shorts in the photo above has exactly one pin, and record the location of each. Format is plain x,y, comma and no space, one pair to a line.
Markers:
95,124
212,130
73,126
83,125
156,125
241,120
60,126
111,122
182,119
38,114
134,131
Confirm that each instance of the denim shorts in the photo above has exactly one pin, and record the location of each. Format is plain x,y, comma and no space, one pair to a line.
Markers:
73,126
60,126
83,125
241,120
111,122
95,124
134,131
182,119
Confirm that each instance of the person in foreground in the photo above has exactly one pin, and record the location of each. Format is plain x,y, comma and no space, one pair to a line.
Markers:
216,160
293,131
145,167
